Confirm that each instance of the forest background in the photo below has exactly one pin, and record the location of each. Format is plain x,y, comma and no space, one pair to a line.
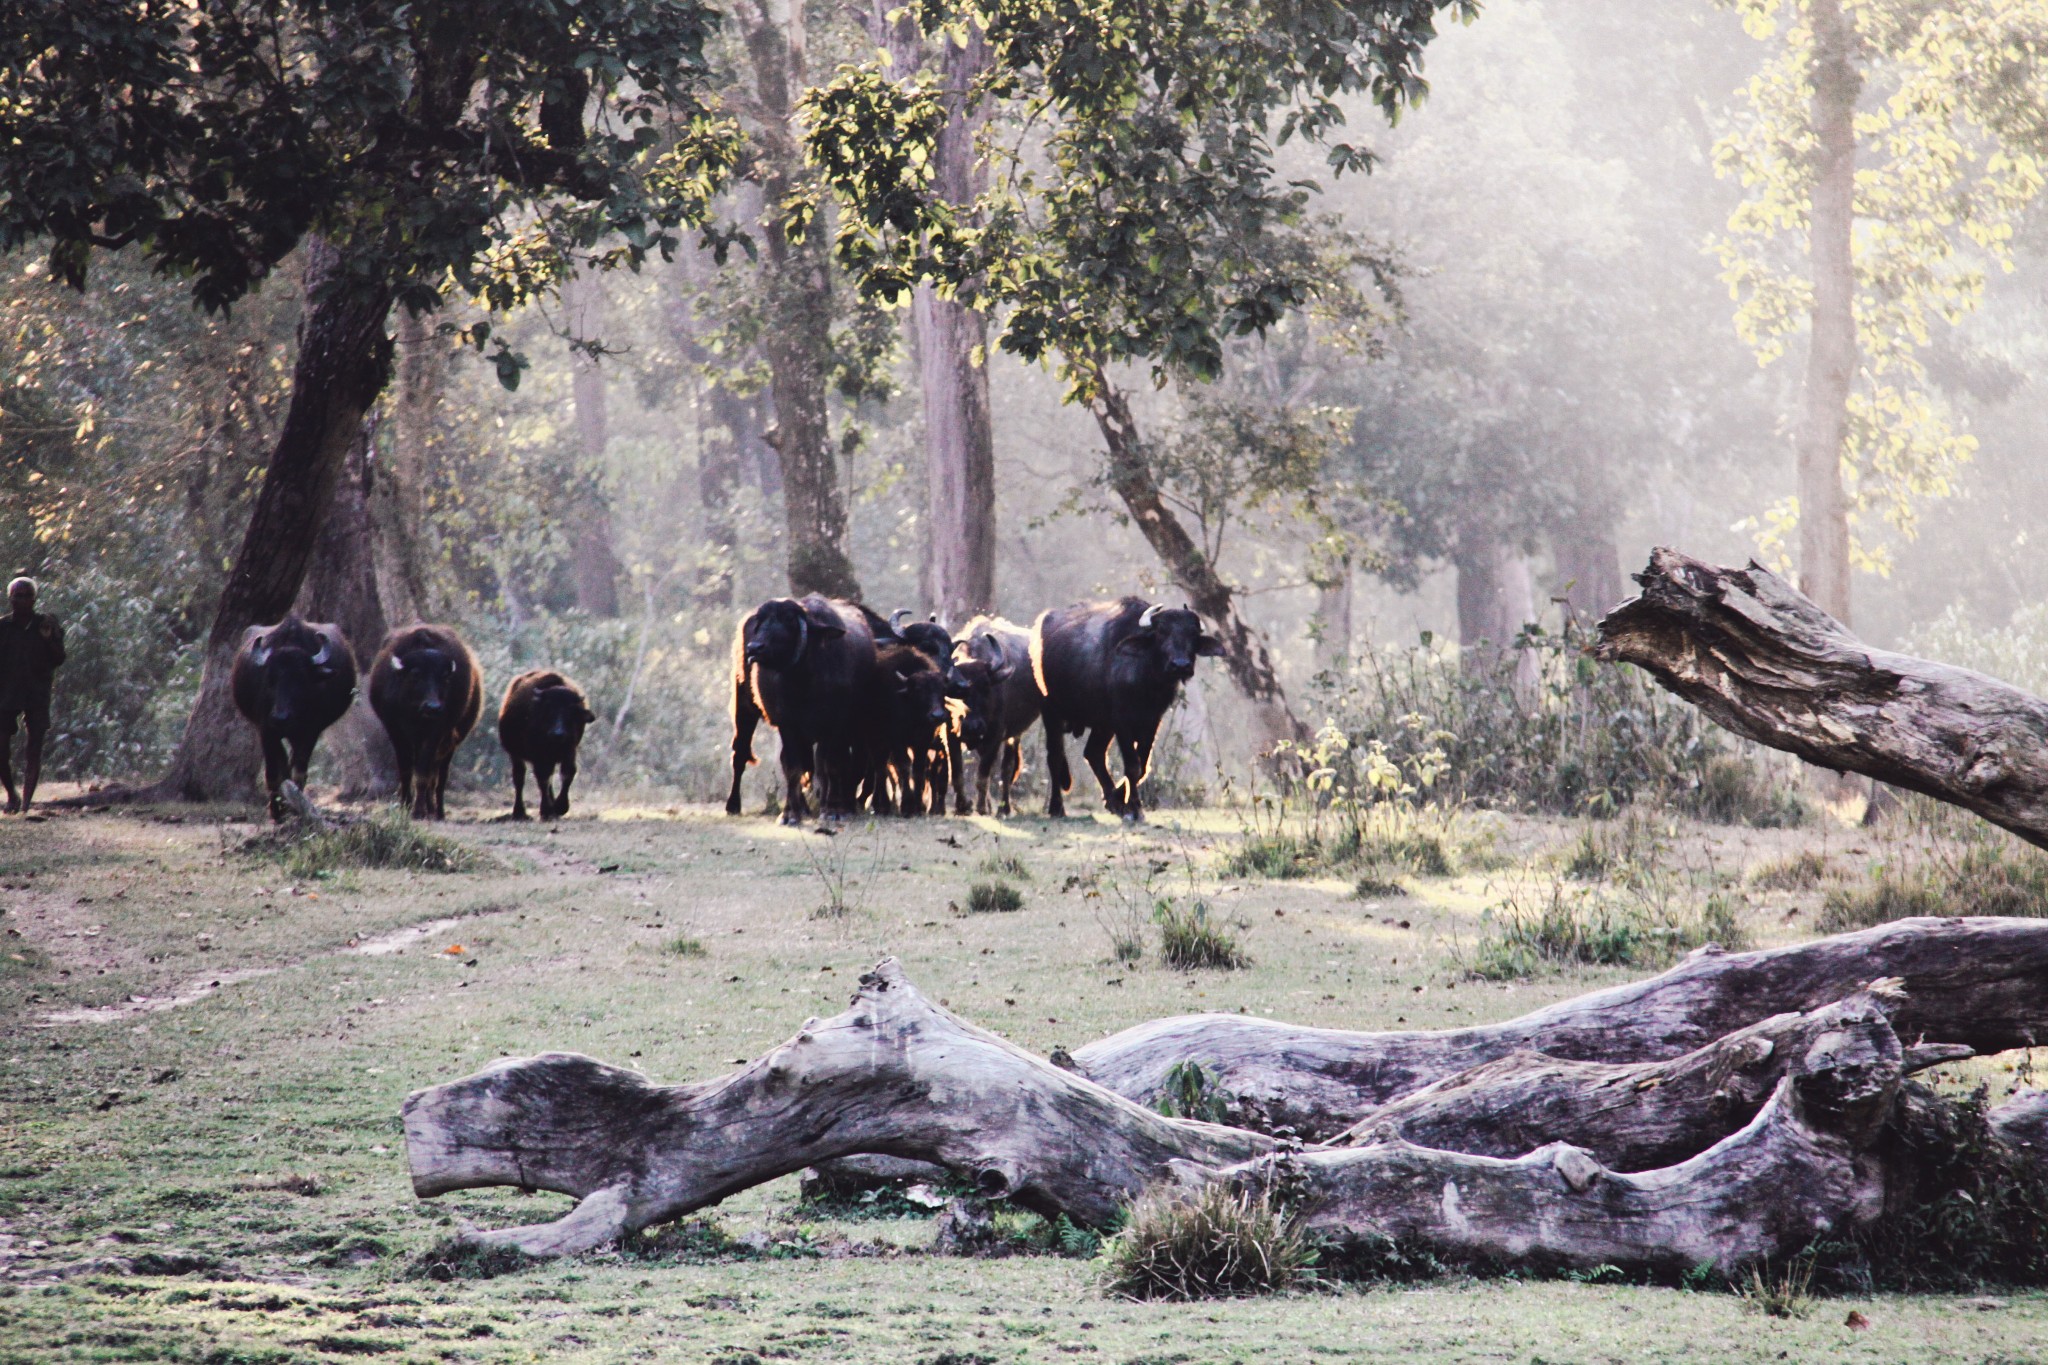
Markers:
1540,376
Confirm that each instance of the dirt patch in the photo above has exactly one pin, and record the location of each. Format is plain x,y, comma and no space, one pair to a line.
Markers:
151,1004
72,931
398,940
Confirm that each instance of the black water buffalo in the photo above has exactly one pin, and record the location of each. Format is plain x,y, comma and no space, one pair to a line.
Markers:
807,668
1110,669
291,681
541,722
993,665
428,691
913,720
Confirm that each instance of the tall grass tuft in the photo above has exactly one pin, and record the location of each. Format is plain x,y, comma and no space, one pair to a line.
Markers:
1215,1243
1555,926
1189,938
1986,876
383,839
997,897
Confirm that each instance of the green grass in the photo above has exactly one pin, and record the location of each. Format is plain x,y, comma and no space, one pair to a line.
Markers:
1987,877
1216,1243
993,898
385,839
301,1072
1190,938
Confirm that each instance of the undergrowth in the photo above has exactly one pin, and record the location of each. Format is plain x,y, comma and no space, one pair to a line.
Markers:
1190,938
1552,926
1987,875
1213,1243
387,839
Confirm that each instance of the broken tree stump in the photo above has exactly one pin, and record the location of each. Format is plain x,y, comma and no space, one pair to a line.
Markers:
1762,660
898,1075
1979,982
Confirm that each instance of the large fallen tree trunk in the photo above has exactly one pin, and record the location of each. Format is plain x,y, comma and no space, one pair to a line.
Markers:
1759,658
898,1075
1979,982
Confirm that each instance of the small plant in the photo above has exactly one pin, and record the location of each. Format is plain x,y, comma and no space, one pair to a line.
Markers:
1785,1293
1189,938
384,839
683,945
1735,791
1214,1243
996,897
1193,1093
1005,865
1372,885
1564,929
1801,871
844,883
1278,857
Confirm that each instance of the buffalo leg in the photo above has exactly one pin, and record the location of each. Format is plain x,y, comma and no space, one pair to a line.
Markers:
32,764
519,791
956,769
441,785
1059,778
985,761
1137,758
562,793
1013,763
745,716
1097,754
544,777
274,771
302,758
939,762
405,776
794,766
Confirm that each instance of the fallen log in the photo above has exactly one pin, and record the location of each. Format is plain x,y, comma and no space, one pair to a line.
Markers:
1628,1117
899,1075
1762,660
896,1074
1979,982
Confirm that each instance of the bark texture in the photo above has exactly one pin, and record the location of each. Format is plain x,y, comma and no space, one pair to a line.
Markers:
899,1076
398,497
1245,656
594,565
343,362
797,337
1978,982
1831,354
1764,661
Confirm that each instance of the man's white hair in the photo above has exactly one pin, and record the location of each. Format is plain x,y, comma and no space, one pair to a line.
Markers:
19,584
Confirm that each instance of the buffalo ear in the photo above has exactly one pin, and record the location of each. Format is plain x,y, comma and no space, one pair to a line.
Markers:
589,716
1132,644
1208,646
825,622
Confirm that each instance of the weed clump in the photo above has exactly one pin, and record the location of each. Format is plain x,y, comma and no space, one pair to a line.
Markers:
1189,938
997,897
1801,871
1734,791
1785,1292
1987,878
684,945
1578,927
1006,865
1215,1243
386,839
452,1259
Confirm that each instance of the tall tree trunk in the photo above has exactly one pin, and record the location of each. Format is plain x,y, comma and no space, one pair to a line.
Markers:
1245,655
343,363
341,588
1333,621
797,338
1831,357
1496,598
593,564
1589,575
959,438
398,501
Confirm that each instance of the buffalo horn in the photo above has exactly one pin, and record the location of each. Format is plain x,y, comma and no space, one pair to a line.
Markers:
1145,621
896,619
325,652
398,663
260,655
803,635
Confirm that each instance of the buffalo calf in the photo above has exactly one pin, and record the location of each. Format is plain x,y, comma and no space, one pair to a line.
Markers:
291,681
1109,670
993,665
426,688
541,723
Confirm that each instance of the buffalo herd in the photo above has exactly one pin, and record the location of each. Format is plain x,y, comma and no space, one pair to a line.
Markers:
875,714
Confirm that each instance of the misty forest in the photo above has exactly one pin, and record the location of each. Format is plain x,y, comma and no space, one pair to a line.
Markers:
1375,671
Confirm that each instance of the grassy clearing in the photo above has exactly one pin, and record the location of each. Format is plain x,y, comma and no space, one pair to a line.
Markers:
249,1141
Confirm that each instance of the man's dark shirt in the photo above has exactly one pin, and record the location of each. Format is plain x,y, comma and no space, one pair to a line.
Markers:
29,655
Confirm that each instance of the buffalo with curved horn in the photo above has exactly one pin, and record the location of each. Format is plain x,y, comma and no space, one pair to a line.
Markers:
291,681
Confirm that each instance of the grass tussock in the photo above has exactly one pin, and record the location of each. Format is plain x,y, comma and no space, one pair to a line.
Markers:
1559,927
1216,1243
1778,1292
1005,865
451,1259
684,945
1190,938
1801,871
1985,878
288,1182
1285,856
996,897
1735,791
386,839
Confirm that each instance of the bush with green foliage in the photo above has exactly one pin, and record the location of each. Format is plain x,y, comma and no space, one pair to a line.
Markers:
1190,938
1214,1243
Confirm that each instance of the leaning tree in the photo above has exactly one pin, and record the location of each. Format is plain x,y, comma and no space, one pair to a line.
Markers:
415,152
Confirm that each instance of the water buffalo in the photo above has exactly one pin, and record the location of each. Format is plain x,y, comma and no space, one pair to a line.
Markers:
993,664
291,681
541,722
426,688
911,720
1110,669
807,668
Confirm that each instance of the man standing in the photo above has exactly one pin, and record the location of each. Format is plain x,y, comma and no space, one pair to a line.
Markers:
31,648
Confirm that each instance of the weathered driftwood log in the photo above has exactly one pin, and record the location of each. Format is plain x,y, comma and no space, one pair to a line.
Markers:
1759,658
899,1075
895,1074
2022,1124
1628,1117
1979,982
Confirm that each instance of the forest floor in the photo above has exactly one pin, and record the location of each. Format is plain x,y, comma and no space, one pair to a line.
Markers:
202,1061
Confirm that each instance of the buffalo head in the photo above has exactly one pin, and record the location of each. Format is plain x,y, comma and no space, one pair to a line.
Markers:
298,665
782,631
429,681
559,715
1174,639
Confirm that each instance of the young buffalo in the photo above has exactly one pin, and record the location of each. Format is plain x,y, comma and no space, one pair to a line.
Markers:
427,690
542,723
291,681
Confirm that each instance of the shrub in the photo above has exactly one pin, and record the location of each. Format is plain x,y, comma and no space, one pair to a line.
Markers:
1734,791
1563,927
1214,1243
1280,857
993,898
1191,1092
683,945
1374,884
383,839
1988,877
1784,1292
1189,938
